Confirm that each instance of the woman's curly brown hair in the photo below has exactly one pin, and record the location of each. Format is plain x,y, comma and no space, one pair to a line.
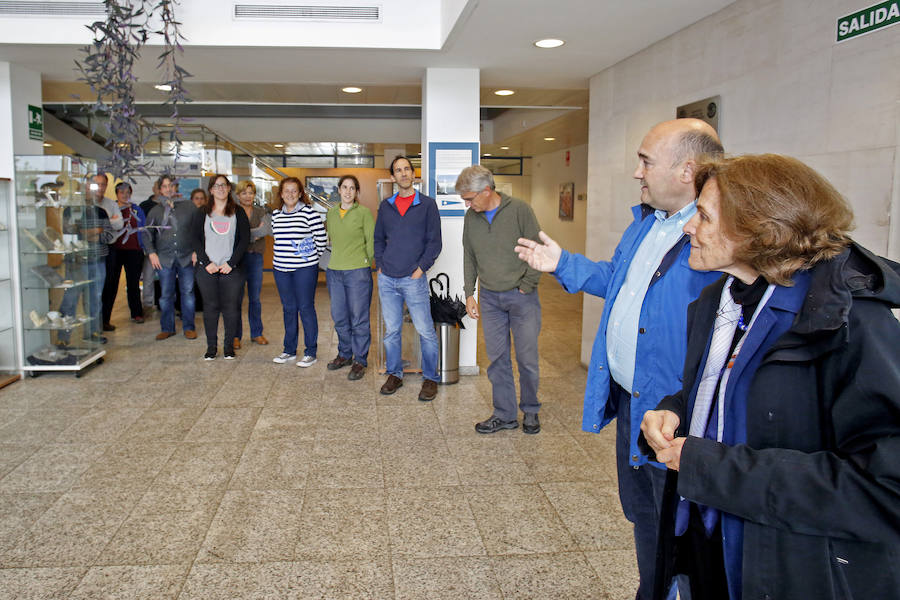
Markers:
783,215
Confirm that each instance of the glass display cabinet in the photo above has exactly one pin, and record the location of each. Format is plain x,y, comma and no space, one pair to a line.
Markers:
60,264
9,370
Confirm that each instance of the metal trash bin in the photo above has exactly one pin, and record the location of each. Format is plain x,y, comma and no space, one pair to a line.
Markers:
448,352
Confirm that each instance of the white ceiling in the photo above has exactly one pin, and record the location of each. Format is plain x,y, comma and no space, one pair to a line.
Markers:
495,36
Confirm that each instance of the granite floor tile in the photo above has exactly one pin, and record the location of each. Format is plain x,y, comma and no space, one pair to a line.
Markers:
53,468
488,460
593,515
127,466
463,578
40,425
224,425
342,580
343,524
12,455
39,583
273,465
254,526
155,582
73,531
406,422
547,577
285,423
264,581
19,512
163,424
339,423
353,463
421,462
432,522
248,390
100,425
518,519
559,458
617,573
158,538
200,466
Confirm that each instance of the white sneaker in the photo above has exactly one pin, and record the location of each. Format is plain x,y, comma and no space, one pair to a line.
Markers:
284,357
307,361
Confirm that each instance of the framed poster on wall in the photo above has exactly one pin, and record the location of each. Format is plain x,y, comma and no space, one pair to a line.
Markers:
445,161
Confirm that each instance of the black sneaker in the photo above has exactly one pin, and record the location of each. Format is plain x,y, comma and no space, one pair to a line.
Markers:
495,424
210,354
229,355
531,423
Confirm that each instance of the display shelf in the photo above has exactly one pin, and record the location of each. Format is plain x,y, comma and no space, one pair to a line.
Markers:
56,226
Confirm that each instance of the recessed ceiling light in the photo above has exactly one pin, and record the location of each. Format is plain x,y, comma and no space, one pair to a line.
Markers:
351,89
549,139
504,147
487,154
163,87
279,145
47,144
549,43
504,92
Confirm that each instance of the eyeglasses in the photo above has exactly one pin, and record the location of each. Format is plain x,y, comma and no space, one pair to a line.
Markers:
220,185
470,198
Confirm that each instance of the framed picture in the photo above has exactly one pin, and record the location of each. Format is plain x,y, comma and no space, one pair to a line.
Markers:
324,187
567,201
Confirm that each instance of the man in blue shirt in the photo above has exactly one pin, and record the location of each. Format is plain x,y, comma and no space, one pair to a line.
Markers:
407,242
638,353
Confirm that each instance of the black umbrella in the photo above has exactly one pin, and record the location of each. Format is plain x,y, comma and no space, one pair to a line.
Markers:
445,309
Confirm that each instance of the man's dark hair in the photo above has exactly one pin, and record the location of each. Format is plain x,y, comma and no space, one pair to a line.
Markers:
401,157
122,185
694,144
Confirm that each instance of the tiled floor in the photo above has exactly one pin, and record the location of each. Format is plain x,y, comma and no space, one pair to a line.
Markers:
158,475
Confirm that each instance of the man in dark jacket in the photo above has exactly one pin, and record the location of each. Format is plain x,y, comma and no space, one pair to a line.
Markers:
407,242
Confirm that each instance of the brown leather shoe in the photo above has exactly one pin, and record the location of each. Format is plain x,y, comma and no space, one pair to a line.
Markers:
357,371
190,334
428,391
392,384
237,343
262,341
339,362
164,335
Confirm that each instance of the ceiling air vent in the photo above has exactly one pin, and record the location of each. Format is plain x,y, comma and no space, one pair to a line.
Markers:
22,8
370,13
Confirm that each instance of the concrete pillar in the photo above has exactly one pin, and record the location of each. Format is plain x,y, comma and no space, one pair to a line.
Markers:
451,101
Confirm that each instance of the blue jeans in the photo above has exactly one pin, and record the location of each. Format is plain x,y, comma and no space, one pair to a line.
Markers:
513,312
167,298
641,495
95,272
351,296
297,290
392,292
253,270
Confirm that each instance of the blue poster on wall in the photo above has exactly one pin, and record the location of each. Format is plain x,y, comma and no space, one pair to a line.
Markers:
445,161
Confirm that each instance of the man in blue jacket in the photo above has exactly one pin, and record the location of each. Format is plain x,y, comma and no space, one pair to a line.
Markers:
638,353
407,242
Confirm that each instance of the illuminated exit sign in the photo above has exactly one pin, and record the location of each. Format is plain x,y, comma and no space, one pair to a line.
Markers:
868,20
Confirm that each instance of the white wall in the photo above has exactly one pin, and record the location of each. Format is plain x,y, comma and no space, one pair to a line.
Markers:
548,172
786,87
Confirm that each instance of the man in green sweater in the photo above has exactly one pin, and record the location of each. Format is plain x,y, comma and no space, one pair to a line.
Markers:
508,294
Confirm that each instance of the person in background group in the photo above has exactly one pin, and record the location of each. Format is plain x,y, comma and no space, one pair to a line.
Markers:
221,234
300,240
260,227
127,252
168,246
199,197
92,226
148,274
349,275
407,242
782,442
508,294
638,352
99,185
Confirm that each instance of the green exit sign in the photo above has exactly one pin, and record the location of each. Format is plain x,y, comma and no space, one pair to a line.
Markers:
35,123
868,20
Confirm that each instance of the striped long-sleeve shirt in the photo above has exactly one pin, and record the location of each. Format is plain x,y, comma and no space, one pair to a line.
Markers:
300,238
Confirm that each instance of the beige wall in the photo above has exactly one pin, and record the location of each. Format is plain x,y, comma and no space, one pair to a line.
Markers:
786,87
548,172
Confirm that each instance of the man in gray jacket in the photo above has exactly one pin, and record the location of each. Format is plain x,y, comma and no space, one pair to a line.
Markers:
168,247
508,294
